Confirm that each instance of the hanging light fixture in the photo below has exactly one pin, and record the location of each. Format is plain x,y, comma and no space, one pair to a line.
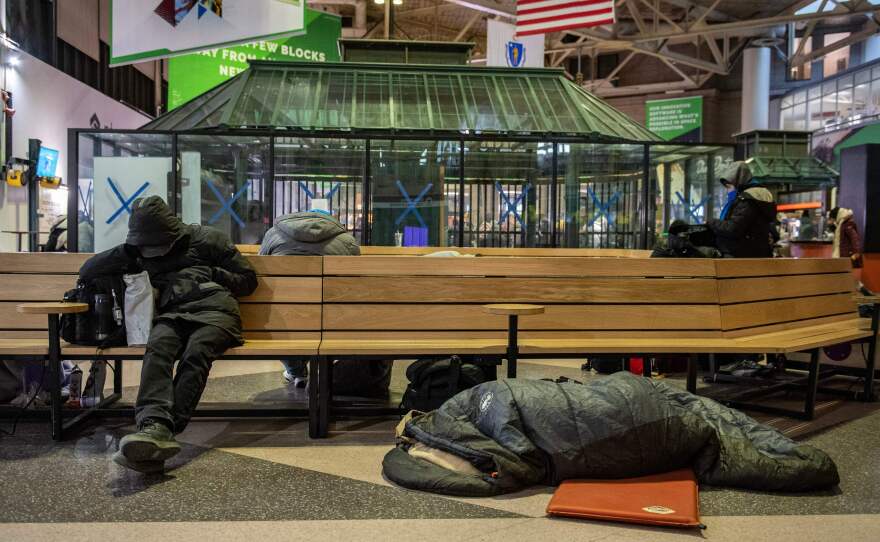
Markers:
397,2
379,2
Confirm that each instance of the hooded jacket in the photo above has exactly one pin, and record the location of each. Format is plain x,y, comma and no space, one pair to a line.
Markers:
847,240
308,234
746,230
198,280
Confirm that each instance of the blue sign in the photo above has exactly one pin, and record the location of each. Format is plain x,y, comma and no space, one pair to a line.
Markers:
47,162
516,54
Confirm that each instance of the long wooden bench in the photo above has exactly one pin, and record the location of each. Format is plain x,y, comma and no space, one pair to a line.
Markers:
400,306
491,251
281,319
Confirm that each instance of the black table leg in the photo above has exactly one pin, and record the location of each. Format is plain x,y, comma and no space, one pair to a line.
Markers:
324,395
55,378
512,347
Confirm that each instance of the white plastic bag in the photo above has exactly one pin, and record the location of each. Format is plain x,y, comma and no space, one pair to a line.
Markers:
140,307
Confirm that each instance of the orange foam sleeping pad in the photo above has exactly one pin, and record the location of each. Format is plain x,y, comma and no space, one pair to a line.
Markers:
670,499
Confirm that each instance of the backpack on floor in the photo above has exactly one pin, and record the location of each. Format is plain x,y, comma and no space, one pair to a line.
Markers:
361,378
433,381
82,328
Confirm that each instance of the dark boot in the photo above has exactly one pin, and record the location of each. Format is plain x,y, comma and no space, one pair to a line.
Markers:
146,467
153,442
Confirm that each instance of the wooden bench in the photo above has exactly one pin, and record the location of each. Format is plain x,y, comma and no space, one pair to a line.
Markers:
403,307
281,319
406,307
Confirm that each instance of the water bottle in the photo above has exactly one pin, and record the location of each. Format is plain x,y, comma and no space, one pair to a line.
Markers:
103,316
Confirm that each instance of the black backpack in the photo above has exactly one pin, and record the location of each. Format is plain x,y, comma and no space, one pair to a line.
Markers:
361,378
81,329
433,381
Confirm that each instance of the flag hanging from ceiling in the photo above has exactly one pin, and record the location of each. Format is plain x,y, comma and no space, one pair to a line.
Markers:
543,16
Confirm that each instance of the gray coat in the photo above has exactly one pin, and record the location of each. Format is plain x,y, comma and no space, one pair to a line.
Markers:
308,234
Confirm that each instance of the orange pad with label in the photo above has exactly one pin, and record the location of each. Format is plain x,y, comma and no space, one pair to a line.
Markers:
670,499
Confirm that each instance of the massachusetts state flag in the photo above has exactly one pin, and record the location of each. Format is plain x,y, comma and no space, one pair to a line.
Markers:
543,16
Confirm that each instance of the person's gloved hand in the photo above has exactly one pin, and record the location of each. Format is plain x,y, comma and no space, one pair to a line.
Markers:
221,276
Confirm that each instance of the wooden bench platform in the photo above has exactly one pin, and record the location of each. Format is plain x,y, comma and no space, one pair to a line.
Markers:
403,306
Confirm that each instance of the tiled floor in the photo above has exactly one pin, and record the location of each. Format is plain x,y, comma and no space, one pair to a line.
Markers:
265,480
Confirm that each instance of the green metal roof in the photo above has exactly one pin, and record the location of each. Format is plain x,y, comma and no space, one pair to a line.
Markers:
337,97
804,170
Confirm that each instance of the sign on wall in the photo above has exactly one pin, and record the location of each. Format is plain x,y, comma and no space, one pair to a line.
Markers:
118,182
193,74
144,30
678,119
506,50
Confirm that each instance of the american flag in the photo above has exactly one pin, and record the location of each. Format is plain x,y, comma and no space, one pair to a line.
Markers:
543,16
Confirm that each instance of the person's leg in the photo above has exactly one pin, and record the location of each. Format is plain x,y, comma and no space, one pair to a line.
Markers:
155,398
205,344
147,449
296,372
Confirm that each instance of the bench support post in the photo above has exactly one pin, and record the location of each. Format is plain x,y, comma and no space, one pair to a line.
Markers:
693,360
872,354
55,378
812,385
314,402
325,383
512,347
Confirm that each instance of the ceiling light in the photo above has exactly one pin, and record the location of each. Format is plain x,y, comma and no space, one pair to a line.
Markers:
380,2
14,61
397,2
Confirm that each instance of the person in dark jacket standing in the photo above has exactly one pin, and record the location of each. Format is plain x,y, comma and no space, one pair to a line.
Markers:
744,228
310,233
198,273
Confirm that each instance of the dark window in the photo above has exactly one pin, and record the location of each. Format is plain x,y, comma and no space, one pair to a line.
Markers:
30,24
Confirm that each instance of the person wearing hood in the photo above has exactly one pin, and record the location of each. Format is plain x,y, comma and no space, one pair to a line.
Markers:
198,274
310,233
847,241
744,228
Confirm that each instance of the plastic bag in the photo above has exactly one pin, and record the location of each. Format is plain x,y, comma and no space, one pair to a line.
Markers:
140,307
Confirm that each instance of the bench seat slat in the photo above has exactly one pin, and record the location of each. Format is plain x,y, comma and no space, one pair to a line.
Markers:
746,315
517,290
557,317
270,348
24,347
774,267
743,290
392,347
515,267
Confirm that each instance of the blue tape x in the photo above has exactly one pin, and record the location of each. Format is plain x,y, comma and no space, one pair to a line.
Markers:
311,195
227,204
603,209
511,207
411,204
86,199
692,210
126,203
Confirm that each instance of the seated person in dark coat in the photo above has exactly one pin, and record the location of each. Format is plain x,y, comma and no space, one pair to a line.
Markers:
744,228
198,274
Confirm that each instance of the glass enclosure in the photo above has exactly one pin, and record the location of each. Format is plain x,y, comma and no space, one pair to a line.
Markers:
489,192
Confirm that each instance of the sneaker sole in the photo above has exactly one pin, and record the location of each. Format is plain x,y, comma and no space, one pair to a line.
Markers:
145,467
147,450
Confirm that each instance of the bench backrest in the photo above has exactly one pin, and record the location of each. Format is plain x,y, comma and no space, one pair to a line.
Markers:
400,296
286,304
760,296
478,251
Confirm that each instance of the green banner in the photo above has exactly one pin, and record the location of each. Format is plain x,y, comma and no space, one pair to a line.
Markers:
678,119
191,75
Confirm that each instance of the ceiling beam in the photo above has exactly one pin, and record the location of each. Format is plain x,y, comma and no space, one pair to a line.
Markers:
421,12
486,6
837,45
476,17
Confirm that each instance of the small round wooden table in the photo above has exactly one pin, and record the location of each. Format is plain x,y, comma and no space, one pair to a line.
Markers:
513,311
53,310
